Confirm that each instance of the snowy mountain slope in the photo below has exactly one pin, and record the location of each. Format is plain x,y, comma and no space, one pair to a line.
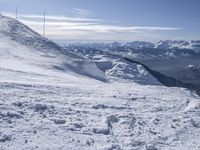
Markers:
24,50
22,34
45,105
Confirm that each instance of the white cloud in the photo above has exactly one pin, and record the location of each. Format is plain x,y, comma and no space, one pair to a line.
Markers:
49,17
69,28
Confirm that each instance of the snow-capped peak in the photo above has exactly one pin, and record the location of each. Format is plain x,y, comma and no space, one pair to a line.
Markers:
179,44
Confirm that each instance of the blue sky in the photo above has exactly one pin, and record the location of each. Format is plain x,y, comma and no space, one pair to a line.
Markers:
110,20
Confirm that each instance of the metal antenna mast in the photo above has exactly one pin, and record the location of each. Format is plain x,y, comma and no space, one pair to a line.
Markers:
16,11
44,25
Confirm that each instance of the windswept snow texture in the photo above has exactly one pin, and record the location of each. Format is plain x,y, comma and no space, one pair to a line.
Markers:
46,104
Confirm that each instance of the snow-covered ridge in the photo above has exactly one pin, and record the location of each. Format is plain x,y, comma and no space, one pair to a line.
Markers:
22,34
22,49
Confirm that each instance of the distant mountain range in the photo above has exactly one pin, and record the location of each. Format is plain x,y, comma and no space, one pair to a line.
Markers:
167,44
177,59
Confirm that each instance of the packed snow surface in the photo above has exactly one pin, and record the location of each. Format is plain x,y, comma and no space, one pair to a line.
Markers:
46,105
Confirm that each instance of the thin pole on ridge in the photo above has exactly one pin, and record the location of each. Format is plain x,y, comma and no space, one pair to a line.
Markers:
44,24
16,11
